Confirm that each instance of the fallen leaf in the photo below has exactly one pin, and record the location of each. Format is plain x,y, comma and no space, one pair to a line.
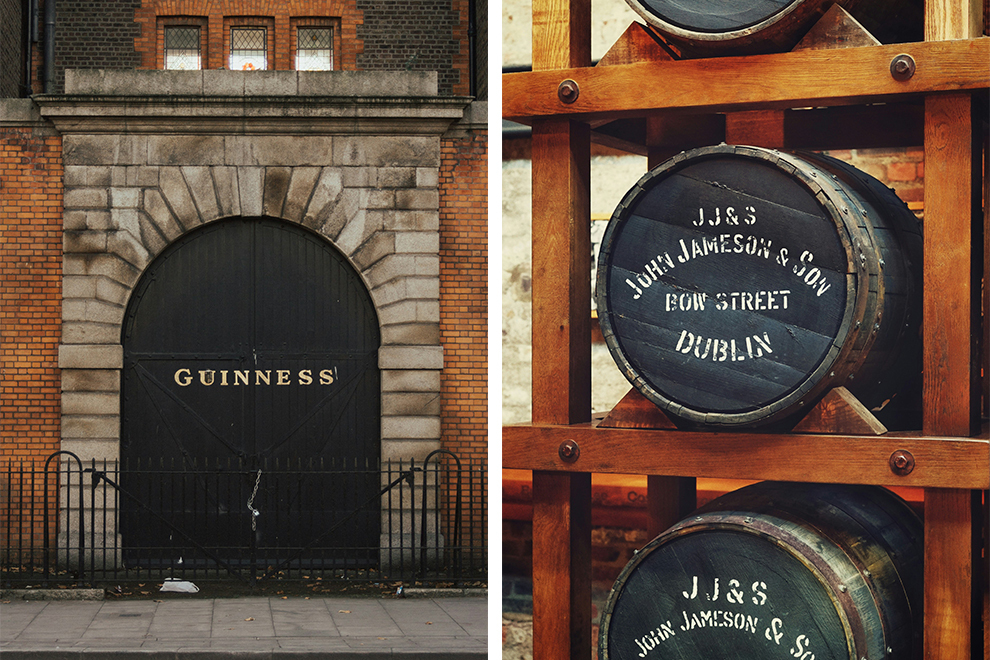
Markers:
381,638
429,623
306,597
285,597
250,618
145,593
344,611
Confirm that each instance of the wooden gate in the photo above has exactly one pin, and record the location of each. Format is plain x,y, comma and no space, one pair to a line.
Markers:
249,344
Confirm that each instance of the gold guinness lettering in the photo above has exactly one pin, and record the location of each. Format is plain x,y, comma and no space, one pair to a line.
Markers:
184,377
181,378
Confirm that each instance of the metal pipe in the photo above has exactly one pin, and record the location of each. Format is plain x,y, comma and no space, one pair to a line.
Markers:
49,70
27,23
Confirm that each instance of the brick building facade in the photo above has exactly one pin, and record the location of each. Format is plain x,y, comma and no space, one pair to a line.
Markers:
107,163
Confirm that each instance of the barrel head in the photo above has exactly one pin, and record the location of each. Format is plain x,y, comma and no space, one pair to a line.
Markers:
726,287
721,594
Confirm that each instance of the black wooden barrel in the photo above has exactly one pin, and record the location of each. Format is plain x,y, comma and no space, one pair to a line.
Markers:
775,570
741,27
737,285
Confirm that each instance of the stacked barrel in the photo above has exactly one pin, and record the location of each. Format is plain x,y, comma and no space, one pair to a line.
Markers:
736,286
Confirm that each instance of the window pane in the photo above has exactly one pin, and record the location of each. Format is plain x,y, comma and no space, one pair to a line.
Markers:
313,49
248,47
182,48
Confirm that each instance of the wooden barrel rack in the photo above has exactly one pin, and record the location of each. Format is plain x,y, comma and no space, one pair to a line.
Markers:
931,93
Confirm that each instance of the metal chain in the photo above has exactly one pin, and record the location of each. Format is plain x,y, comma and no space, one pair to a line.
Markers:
250,503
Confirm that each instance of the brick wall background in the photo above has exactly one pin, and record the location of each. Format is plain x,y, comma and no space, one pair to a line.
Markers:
30,315
91,35
463,187
417,35
411,35
347,45
31,289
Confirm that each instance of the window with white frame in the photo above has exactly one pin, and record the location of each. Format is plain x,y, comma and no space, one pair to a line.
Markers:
248,48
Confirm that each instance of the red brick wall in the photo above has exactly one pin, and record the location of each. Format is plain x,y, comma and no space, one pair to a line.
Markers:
278,15
31,288
901,169
30,321
463,186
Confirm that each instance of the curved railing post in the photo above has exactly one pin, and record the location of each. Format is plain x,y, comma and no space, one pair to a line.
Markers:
457,509
82,521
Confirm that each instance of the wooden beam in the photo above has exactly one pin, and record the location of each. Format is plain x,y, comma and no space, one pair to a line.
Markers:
862,459
561,272
561,566
953,249
784,80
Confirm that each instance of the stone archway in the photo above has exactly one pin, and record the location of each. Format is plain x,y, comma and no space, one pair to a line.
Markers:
352,156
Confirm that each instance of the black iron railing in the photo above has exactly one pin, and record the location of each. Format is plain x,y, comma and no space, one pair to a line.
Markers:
70,522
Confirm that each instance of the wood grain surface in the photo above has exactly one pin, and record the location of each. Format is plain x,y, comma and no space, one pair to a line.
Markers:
952,271
785,80
940,462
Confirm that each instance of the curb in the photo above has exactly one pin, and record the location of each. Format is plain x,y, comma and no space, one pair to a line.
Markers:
53,594
443,593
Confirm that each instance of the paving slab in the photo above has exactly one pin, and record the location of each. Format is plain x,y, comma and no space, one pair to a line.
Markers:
256,628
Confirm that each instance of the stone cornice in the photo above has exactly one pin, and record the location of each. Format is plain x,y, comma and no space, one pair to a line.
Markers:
245,115
266,102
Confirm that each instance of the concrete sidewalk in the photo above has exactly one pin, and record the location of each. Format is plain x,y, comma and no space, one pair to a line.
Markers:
340,627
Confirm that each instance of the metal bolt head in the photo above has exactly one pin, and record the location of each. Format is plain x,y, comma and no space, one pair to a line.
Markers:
901,462
902,67
568,91
568,451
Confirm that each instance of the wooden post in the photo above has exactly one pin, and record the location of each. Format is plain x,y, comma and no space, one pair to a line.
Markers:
951,371
951,386
561,565
561,341
561,272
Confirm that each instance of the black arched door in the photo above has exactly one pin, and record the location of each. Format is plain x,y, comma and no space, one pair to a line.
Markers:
249,344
